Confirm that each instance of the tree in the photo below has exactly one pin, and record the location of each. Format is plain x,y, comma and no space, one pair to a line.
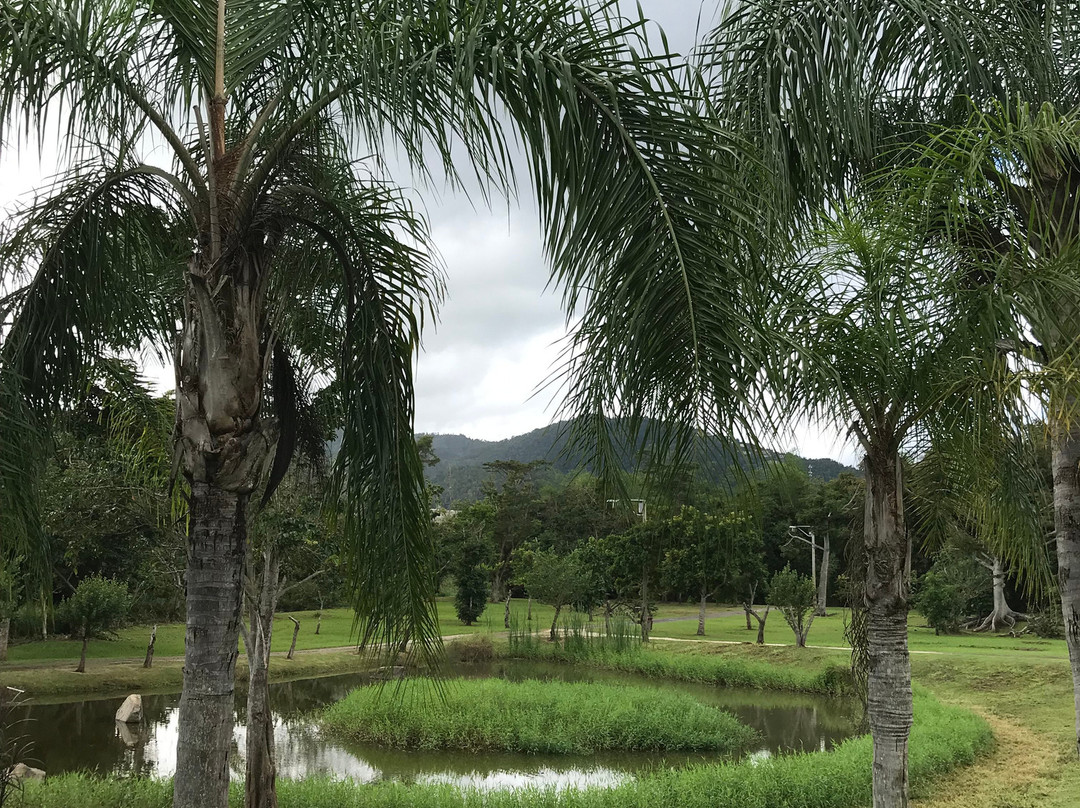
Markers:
836,93
635,558
95,608
467,539
795,596
883,350
709,553
515,506
557,579
9,597
266,239
944,594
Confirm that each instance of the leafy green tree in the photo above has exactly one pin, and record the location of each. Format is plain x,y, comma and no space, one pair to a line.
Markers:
466,537
945,593
272,247
635,558
795,596
472,577
709,554
557,579
96,607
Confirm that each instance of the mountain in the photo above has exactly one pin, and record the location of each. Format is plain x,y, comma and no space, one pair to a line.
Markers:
461,474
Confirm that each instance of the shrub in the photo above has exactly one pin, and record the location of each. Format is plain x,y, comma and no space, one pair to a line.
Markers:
795,596
477,648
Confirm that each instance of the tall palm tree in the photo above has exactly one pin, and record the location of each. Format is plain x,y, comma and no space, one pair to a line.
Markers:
880,342
839,92
261,238
1005,189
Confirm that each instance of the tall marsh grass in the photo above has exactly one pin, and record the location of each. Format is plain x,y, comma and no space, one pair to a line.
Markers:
533,717
575,638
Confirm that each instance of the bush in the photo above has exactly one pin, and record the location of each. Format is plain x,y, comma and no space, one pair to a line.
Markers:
541,717
1048,624
477,648
795,596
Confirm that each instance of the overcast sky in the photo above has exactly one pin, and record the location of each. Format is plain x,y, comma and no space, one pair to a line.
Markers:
498,332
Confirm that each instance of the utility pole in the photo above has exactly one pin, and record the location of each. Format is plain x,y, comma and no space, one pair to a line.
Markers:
805,534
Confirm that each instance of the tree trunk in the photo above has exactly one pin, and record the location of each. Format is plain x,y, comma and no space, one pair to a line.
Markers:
1066,467
44,617
528,616
5,633
497,593
261,767
761,618
645,607
555,621
506,612
216,546
1002,615
607,617
889,687
149,661
295,631
823,580
748,606
82,656
701,614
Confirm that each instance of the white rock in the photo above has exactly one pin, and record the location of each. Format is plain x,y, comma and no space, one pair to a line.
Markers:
20,771
130,711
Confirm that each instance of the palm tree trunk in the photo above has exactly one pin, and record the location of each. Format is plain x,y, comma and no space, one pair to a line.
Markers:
1066,467
216,547
889,698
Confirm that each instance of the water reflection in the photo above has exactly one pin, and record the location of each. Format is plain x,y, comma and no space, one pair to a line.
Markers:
85,736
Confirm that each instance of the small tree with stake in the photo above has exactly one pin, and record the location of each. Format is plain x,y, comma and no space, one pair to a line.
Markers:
96,608
795,596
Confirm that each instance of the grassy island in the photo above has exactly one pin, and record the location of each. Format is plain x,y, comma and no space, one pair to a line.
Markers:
533,717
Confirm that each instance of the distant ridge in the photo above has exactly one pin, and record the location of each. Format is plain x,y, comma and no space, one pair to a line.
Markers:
461,472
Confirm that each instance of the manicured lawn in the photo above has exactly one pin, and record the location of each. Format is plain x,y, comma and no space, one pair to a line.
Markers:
829,631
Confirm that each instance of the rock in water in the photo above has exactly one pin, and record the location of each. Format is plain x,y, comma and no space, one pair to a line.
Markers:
130,711
20,771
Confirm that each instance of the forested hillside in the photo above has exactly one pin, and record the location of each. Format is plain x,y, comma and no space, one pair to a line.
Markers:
461,474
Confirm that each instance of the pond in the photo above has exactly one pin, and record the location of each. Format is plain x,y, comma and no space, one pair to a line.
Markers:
83,735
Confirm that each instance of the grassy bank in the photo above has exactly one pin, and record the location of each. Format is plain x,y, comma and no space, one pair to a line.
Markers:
943,738
762,668
534,717
111,678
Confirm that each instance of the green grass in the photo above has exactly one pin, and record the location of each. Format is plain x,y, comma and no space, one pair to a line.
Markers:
829,631
337,632
534,717
943,738
765,668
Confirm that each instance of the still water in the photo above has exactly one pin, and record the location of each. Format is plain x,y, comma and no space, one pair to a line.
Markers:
83,735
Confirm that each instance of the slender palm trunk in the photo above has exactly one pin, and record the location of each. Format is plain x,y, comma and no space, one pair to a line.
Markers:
889,698
1066,468
701,614
216,546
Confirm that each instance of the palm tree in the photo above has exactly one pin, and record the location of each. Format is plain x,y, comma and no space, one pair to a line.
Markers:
839,93
261,239
1005,189
881,343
